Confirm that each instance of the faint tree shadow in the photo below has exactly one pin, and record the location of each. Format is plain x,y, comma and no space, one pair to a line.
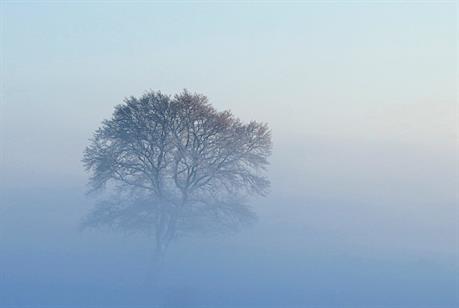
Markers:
165,224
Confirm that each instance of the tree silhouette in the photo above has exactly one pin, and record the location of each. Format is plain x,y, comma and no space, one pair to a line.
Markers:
175,164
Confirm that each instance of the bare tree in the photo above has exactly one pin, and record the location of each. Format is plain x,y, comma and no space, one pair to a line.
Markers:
175,161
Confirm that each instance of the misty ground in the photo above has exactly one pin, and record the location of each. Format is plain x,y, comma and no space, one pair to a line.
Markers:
349,247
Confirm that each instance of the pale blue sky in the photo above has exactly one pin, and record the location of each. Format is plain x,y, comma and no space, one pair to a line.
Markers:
368,70
361,98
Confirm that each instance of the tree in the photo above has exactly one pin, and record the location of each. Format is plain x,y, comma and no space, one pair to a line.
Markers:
173,162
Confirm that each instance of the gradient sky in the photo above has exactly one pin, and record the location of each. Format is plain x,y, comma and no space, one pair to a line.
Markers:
361,98
375,72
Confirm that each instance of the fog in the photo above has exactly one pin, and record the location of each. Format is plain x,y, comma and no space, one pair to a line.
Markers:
361,101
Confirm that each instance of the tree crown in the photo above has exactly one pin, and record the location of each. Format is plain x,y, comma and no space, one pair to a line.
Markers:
179,150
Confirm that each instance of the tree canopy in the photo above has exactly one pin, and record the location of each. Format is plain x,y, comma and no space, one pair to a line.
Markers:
177,154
